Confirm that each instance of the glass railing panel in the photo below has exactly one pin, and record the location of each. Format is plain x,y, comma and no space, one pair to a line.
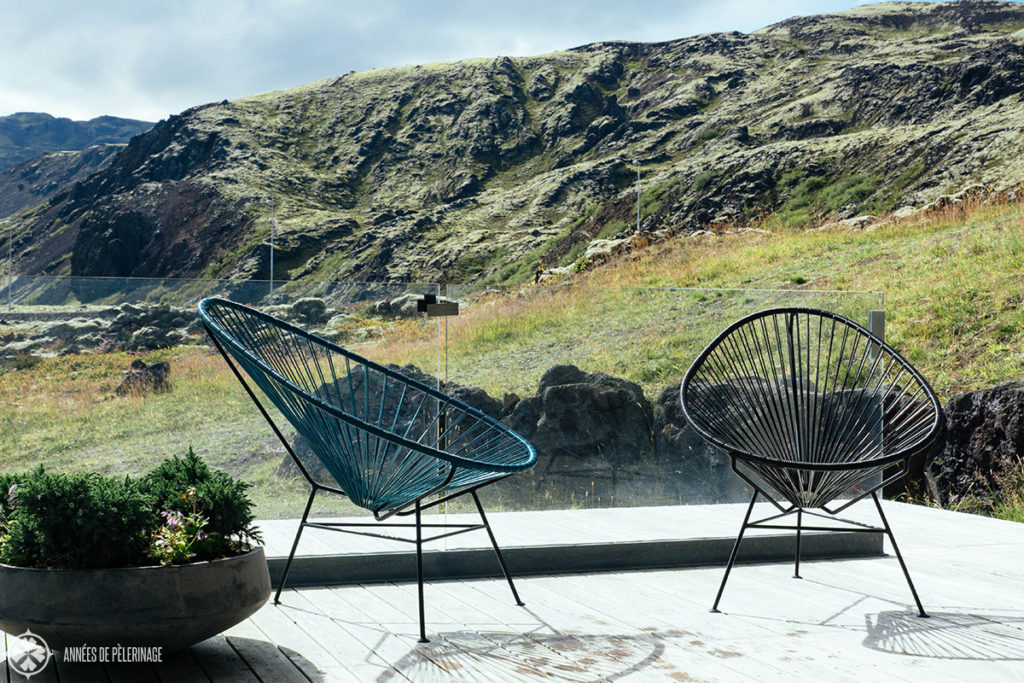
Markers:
591,376
67,345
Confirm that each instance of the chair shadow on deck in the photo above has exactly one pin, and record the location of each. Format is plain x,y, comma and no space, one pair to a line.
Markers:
535,651
506,655
967,635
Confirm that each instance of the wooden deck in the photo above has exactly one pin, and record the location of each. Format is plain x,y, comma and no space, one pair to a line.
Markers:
845,620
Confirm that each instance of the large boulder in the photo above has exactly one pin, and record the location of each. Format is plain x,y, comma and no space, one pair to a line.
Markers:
143,327
310,310
72,330
144,379
984,434
310,462
584,415
476,397
701,469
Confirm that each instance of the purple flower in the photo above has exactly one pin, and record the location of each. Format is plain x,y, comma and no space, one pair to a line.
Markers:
173,518
10,496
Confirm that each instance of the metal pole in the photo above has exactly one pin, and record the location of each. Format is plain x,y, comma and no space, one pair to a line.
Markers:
637,162
10,261
876,323
273,221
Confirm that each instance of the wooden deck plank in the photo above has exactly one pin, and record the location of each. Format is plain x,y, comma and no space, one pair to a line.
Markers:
132,672
180,667
527,645
846,619
80,672
848,632
367,604
606,641
330,632
313,541
263,655
473,646
280,624
674,635
221,663
751,637
4,676
392,639
970,620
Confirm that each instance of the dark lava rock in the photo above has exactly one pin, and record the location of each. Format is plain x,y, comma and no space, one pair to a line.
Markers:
984,434
479,399
369,394
310,310
586,414
681,451
143,379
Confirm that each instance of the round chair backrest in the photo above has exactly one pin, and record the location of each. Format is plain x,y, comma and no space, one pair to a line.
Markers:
797,386
369,425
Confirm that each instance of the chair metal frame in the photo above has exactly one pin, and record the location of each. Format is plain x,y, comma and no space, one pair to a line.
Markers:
446,448
804,443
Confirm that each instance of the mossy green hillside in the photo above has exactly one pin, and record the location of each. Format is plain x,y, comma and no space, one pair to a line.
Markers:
451,172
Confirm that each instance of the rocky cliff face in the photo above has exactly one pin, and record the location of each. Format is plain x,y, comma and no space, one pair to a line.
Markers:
480,169
28,135
35,181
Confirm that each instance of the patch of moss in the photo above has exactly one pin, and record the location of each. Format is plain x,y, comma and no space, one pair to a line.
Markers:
702,180
813,196
470,265
574,253
611,229
710,134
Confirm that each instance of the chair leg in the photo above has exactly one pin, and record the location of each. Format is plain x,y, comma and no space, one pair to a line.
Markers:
799,520
735,549
497,550
419,573
295,545
899,556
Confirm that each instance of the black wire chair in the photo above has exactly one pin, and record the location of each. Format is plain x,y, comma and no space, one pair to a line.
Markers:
815,412
392,444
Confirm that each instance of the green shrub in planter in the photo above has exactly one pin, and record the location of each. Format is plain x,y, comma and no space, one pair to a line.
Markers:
188,486
180,512
74,521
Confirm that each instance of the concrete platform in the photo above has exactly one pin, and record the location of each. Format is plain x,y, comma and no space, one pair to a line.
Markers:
558,542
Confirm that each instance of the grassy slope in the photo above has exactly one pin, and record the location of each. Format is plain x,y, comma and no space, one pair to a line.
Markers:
952,283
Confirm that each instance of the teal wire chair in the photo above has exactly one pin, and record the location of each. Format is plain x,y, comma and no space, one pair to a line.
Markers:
393,445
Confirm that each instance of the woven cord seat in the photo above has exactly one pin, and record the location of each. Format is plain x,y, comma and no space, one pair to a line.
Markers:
815,412
392,444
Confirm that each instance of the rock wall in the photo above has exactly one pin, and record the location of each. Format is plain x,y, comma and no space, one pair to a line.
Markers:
984,434
131,327
600,434
595,435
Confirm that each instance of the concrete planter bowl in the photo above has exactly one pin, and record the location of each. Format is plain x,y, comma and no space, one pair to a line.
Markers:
171,607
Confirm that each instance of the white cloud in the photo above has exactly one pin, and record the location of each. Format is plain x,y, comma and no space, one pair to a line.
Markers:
147,60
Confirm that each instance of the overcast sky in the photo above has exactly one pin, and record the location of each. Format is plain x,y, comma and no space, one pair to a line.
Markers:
148,59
